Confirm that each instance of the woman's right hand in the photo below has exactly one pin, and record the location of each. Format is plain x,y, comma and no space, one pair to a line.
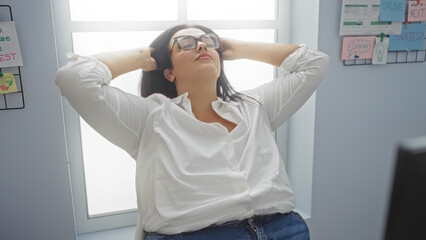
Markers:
147,62
124,61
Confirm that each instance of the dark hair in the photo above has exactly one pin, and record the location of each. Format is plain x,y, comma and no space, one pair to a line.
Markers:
155,82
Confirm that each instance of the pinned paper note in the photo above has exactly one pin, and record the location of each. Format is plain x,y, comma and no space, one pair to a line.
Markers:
7,83
392,10
411,38
10,54
361,17
358,47
416,12
380,53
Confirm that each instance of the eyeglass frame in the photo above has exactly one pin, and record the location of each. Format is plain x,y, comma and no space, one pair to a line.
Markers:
176,41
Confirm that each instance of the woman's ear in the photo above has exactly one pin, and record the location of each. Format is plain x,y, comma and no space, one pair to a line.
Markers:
169,75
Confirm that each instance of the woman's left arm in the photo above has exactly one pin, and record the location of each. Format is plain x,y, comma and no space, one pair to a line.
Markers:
282,97
271,53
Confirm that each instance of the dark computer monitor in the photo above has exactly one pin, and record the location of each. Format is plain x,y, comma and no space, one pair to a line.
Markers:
406,217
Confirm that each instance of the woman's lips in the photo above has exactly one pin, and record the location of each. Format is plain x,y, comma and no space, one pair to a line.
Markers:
203,56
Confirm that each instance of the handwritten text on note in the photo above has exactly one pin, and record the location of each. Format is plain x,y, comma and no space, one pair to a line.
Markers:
411,38
10,54
416,12
358,47
392,10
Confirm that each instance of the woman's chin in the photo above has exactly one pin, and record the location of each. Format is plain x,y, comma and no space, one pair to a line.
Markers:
206,67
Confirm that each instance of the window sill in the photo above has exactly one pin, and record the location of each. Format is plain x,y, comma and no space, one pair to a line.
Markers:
114,234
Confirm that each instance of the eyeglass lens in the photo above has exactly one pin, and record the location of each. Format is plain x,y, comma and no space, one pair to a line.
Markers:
190,42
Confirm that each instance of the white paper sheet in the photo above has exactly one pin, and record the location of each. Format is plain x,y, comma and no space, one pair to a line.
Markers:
361,17
10,54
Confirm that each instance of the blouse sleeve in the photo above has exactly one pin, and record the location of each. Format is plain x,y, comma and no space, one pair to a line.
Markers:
118,116
285,95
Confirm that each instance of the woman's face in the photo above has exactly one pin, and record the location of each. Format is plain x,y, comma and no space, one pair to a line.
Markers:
197,63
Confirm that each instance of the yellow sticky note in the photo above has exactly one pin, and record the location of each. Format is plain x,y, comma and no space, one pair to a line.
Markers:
7,83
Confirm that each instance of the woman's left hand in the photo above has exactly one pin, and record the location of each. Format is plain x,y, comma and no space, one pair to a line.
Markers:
230,48
270,53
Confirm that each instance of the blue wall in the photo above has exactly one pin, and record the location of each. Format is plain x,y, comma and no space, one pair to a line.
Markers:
362,112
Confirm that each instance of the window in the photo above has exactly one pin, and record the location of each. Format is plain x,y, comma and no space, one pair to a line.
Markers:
102,174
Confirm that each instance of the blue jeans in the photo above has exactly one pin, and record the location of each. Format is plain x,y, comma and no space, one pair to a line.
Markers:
287,226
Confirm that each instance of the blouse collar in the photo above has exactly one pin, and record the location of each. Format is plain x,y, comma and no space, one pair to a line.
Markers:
183,99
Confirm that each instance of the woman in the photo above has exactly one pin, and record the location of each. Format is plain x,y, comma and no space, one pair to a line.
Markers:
207,166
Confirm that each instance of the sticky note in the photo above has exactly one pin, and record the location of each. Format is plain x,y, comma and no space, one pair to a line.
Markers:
392,10
380,53
7,83
358,47
10,53
416,12
411,38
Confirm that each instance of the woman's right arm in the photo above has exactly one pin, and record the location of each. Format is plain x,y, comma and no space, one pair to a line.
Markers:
116,115
125,61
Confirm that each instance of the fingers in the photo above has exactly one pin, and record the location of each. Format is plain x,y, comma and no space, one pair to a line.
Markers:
224,44
146,53
230,48
227,55
225,48
148,63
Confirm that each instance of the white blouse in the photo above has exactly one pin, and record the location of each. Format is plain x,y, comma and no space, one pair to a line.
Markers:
191,174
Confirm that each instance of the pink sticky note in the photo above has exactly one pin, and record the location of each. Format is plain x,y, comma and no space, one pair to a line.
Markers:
358,47
416,12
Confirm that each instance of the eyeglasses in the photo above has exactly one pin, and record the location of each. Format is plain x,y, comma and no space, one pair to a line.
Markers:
188,42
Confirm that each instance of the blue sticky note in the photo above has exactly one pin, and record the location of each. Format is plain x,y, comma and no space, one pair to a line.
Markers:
411,38
392,10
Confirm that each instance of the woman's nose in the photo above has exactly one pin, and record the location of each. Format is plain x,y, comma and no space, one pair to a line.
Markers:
201,46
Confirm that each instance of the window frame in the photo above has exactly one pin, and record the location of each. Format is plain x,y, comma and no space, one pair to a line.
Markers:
64,28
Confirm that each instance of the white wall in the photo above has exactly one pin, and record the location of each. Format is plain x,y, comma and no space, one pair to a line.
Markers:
35,195
304,30
362,112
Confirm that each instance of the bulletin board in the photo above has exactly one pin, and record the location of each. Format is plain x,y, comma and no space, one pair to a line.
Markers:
383,32
10,100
